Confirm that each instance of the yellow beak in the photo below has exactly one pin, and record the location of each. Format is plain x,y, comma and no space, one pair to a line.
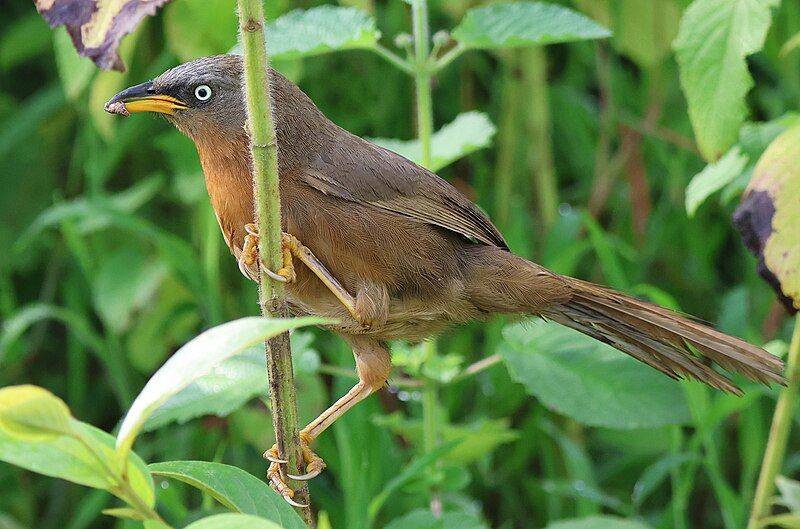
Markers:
143,98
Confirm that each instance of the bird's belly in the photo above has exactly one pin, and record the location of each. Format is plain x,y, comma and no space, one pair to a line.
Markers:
409,318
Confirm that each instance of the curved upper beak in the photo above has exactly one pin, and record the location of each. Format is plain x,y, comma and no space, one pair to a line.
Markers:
143,98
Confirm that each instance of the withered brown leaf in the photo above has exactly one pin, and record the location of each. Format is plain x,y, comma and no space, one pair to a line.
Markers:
97,26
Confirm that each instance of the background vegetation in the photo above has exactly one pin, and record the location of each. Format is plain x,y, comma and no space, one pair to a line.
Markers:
113,260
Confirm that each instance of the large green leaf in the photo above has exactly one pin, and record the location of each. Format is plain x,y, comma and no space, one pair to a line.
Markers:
196,359
524,24
589,381
598,522
234,521
714,39
425,519
37,433
469,132
769,216
320,30
230,384
234,488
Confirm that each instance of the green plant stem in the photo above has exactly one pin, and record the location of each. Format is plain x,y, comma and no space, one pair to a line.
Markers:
507,139
393,58
264,152
538,125
448,57
422,78
778,433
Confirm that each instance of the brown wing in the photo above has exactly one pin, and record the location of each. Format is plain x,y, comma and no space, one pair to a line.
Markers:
366,173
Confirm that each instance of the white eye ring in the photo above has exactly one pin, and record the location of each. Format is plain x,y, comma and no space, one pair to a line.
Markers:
202,92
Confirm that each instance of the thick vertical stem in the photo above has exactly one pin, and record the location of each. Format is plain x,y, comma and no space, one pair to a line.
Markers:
538,125
264,151
422,78
778,433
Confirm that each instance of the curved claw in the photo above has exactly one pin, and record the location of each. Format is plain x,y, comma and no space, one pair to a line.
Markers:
272,459
243,268
274,276
293,503
307,475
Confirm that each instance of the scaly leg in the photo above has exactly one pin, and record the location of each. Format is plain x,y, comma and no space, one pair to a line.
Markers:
292,247
373,364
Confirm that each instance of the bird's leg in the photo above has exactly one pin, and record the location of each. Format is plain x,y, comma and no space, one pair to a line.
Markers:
292,247
373,364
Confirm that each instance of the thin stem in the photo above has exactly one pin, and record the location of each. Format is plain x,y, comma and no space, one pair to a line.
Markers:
538,125
393,58
422,78
778,433
448,57
264,152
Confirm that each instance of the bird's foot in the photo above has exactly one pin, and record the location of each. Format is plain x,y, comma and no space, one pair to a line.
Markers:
248,259
314,465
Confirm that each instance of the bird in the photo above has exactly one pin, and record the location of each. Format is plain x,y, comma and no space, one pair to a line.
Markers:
392,251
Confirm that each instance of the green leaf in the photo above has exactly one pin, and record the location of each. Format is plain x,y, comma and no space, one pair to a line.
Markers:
86,457
225,388
518,24
196,359
714,177
425,519
230,384
769,216
323,29
589,381
234,488
234,521
714,39
125,282
469,132
196,28
598,522
33,413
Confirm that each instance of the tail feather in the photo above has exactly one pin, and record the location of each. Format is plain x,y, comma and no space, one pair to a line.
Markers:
672,344
501,282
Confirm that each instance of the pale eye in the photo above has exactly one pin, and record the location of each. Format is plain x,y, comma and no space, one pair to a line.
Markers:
202,92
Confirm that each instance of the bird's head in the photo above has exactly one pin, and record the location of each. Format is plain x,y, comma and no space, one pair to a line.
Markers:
199,97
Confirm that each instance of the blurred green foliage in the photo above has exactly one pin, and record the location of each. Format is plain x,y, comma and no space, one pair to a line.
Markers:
113,259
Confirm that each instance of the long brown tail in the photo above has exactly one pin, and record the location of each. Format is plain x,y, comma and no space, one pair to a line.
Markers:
499,281
661,338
